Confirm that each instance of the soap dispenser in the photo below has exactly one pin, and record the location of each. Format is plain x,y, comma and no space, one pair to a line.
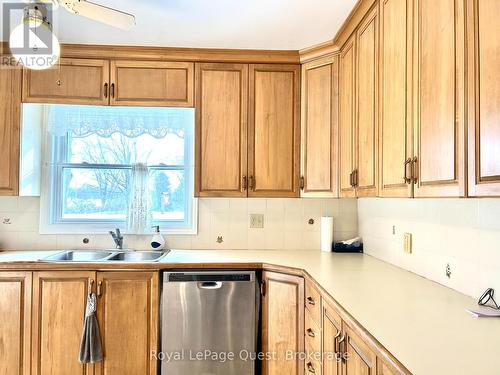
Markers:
157,242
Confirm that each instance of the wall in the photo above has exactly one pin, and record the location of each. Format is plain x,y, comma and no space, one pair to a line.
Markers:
464,233
285,225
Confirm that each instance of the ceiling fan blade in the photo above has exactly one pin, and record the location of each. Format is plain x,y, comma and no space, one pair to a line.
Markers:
100,13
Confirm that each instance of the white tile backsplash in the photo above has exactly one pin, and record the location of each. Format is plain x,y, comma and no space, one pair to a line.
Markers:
285,225
464,233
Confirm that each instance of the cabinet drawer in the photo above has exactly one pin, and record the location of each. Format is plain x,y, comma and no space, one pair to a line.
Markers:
312,334
312,367
313,303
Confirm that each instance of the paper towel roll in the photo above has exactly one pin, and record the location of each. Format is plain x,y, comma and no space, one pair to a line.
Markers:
326,233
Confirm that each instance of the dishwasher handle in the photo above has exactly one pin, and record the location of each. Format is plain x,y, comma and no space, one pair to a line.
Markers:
209,285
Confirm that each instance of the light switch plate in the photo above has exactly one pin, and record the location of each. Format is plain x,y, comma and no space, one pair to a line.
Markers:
256,221
408,246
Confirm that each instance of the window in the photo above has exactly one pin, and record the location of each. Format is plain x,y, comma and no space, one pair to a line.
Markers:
129,167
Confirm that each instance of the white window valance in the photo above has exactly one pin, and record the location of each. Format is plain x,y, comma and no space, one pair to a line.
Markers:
104,121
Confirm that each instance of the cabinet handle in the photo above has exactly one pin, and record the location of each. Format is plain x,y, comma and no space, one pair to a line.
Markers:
91,282
351,181
302,183
310,333
406,178
414,170
106,90
244,183
310,368
251,183
336,343
311,301
112,90
341,341
356,178
99,289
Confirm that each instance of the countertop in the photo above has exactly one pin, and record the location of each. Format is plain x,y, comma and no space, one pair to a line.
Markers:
423,324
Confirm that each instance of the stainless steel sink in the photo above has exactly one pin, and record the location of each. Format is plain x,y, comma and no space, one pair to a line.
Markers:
78,256
138,256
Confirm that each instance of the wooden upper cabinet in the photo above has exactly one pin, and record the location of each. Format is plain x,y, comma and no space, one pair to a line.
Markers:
484,97
221,129
274,131
10,117
347,77
366,129
128,321
395,133
282,323
438,96
72,81
361,360
15,322
319,151
152,83
59,301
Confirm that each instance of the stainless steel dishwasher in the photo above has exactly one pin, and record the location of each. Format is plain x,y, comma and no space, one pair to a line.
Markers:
209,322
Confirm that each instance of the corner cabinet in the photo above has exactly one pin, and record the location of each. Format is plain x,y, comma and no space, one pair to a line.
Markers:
438,98
282,323
15,322
484,97
319,128
10,113
221,130
274,130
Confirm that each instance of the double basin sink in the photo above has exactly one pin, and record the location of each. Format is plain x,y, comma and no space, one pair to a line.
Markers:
88,256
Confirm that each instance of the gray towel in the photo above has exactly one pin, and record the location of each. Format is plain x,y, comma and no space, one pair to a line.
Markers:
90,345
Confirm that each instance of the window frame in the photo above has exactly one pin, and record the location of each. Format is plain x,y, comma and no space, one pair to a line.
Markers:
51,222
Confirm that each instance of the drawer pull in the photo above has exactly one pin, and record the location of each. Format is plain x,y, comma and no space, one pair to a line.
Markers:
311,301
310,332
310,368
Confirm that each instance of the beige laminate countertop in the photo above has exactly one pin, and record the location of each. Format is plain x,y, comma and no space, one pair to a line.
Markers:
423,324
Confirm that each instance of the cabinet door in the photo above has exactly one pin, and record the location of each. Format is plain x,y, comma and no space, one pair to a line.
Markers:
484,97
347,73
282,323
332,330
15,325
128,321
274,131
319,140
366,129
395,133
152,83
221,130
10,107
72,81
59,301
360,359
439,98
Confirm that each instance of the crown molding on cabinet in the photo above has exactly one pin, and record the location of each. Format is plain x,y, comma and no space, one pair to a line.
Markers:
318,51
115,52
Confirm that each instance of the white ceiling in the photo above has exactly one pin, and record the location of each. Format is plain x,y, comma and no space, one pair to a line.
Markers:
258,24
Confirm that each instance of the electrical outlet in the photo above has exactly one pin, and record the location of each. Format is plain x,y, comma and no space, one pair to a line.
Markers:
393,230
256,221
448,271
408,246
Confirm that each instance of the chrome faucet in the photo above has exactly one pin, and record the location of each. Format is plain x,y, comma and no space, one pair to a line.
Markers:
117,237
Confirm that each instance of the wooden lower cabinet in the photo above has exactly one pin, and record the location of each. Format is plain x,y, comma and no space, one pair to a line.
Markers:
359,358
59,300
128,320
332,330
282,323
127,313
15,323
